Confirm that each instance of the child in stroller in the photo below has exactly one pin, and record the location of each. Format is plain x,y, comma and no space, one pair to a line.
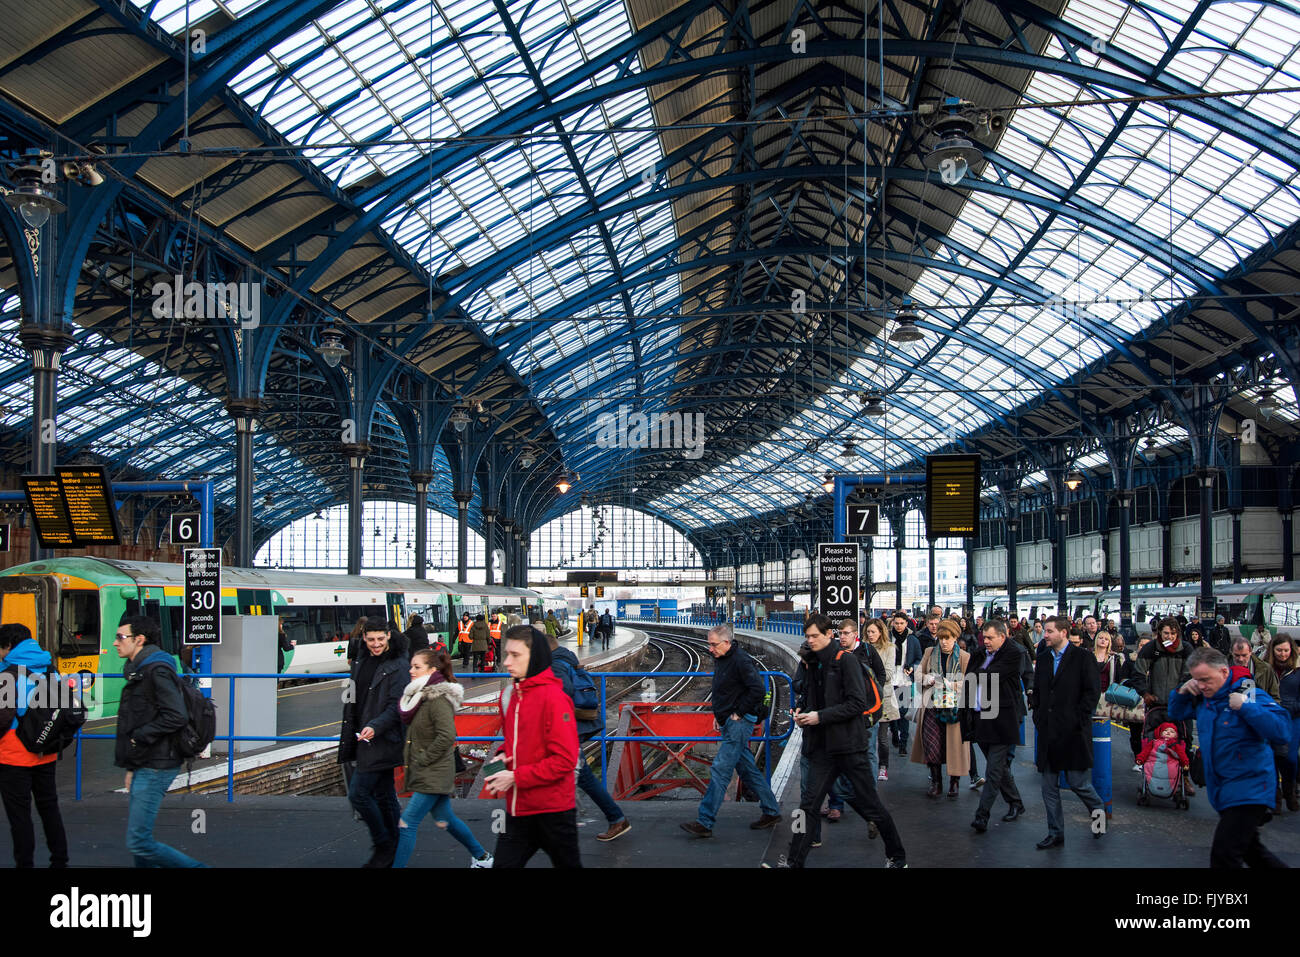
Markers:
1164,762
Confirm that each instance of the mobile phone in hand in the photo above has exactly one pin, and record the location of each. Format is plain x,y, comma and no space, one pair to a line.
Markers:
495,766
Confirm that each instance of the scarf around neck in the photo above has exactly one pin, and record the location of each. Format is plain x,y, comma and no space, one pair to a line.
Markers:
413,696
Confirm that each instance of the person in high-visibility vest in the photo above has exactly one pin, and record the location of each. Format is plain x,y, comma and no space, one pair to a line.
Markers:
463,639
495,630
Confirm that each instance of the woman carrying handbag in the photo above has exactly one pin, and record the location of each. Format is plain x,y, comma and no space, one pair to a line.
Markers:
938,740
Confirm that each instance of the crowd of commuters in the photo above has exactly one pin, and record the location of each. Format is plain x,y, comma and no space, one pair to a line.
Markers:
946,688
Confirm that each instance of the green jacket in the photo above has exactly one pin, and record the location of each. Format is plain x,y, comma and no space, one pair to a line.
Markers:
552,626
431,737
479,634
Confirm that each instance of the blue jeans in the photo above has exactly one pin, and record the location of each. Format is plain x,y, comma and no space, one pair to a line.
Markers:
733,755
440,805
591,786
842,790
148,785
374,796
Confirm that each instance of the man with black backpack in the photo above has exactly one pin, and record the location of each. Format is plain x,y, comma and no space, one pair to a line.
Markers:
586,712
25,773
835,740
152,719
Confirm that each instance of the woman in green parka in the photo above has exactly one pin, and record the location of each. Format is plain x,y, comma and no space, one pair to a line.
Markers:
428,709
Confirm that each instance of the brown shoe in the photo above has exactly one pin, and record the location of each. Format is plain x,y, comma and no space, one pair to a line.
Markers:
765,821
696,829
953,788
617,829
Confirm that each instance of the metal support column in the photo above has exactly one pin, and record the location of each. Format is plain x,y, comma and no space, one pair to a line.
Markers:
786,563
970,577
244,412
1062,515
1013,523
507,555
1166,553
1124,499
898,569
931,564
420,481
1205,603
462,536
356,456
46,346
1288,545
1236,546
489,542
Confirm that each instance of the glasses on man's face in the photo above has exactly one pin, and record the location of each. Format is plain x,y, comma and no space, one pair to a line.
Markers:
124,636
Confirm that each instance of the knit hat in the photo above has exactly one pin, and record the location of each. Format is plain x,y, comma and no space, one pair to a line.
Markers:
949,629
1160,731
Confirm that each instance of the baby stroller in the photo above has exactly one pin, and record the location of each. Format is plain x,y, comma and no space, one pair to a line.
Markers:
1163,776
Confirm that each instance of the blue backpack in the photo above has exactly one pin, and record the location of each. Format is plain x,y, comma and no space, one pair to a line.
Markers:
585,698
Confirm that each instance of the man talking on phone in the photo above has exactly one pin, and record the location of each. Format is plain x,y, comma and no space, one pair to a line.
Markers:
540,758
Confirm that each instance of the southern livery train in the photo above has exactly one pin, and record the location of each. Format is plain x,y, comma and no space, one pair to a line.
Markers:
73,606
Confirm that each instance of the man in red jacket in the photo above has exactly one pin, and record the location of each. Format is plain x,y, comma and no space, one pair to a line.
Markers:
541,753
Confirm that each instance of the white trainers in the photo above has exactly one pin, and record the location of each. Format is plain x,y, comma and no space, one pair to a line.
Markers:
484,861
883,775
1137,767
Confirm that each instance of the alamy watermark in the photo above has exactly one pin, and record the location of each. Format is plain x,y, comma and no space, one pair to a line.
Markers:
653,430
208,300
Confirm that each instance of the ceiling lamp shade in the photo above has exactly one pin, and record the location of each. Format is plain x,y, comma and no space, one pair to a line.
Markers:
906,329
828,482
1267,403
955,153
563,485
459,418
32,197
331,347
873,403
850,451
1074,480
527,459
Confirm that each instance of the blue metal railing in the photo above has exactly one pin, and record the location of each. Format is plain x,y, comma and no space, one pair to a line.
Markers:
605,738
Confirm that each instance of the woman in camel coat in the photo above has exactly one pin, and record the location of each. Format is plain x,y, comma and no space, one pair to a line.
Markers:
937,741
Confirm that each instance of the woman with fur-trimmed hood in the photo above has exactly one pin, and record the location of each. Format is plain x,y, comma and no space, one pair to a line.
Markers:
428,709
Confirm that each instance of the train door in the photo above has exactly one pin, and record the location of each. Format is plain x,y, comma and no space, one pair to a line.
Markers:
32,600
395,602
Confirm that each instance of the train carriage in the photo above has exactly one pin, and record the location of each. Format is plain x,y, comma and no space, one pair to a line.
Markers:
73,606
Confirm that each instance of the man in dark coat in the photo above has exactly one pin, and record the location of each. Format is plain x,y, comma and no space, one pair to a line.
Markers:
835,740
150,713
1066,689
997,710
737,699
372,734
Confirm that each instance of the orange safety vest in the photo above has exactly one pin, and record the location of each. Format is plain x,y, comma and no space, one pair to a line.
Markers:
495,629
462,630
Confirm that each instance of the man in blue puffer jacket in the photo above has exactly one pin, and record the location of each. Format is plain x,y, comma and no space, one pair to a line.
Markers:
1236,722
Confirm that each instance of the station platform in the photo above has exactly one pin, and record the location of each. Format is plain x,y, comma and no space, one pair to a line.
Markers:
319,832
312,710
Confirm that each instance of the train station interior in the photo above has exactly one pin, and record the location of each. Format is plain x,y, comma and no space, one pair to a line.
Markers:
512,307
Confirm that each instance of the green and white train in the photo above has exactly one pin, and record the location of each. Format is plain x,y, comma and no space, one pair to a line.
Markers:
73,607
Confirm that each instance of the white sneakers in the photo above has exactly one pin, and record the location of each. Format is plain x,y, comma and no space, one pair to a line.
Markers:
478,862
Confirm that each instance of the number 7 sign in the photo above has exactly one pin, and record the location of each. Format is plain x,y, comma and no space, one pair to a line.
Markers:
863,520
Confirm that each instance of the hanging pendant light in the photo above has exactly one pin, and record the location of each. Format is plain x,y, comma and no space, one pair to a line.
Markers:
906,329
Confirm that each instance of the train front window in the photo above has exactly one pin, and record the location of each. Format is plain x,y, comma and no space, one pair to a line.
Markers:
78,632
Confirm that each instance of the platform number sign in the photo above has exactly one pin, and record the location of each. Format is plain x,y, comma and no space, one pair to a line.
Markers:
863,520
184,528
202,596
837,580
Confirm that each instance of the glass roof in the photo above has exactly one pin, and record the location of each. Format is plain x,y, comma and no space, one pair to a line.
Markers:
1165,175
1151,208
380,88
136,415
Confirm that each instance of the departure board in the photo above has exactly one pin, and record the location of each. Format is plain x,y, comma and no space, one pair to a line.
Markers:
49,511
952,496
89,497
